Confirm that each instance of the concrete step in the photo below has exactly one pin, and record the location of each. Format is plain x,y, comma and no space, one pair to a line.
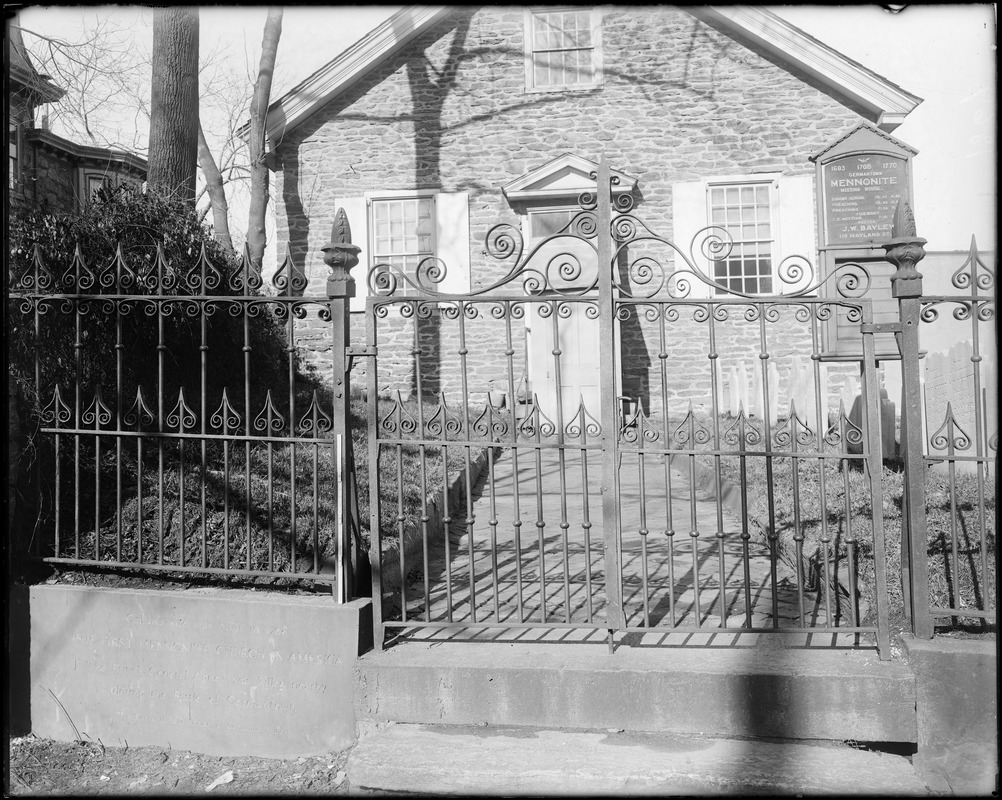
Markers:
760,691
488,760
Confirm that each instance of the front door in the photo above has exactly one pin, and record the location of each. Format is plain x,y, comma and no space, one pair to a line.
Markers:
563,358
563,336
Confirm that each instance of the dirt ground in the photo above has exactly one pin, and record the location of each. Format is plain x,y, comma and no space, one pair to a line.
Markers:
45,767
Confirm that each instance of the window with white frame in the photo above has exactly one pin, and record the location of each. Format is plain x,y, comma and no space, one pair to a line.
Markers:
745,211
403,231
563,48
402,228
769,217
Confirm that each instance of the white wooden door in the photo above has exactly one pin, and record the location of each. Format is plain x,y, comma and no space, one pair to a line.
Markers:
564,360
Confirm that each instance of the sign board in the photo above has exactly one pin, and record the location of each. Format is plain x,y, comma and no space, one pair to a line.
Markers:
860,194
861,177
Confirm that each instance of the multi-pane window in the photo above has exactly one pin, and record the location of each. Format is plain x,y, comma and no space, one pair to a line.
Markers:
95,183
403,231
12,153
745,212
563,48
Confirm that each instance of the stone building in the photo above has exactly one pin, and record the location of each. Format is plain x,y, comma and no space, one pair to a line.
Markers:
444,122
44,169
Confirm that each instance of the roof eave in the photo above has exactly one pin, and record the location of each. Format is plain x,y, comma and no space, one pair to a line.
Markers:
882,101
888,121
379,44
83,152
37,84
886,103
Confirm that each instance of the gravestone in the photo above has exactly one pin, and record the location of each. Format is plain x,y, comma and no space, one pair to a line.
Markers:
951,391
888,435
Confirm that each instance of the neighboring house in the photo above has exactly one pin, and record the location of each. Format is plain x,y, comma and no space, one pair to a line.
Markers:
44,169
443,122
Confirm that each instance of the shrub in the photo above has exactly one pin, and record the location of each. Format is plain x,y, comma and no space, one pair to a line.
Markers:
85,320
134,244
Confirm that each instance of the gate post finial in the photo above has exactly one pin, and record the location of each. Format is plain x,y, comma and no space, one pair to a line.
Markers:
904,251
340,255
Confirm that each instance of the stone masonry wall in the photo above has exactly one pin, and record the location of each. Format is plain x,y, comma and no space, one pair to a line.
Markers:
679,101
54,183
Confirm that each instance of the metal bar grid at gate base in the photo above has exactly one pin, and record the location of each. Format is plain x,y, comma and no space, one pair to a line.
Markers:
176,433
961,444
601,506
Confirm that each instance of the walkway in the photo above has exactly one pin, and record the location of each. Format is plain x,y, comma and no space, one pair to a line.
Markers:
695,567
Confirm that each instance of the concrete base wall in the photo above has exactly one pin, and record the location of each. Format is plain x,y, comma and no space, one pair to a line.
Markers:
956,685
754,692
222,672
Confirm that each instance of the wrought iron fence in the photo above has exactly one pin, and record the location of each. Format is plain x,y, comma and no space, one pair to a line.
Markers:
174,429
579,411
961,446
614,493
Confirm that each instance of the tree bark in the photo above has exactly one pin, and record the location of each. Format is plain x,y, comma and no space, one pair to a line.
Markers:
174,102
217,193
256,233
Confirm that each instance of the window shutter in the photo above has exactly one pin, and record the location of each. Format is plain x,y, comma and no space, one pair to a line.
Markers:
355,210
452,236
689,216
796,224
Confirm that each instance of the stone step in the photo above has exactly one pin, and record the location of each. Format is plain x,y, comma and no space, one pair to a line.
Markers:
759,691
489,760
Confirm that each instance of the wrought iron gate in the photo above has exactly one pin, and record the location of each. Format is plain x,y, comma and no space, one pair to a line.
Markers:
676,495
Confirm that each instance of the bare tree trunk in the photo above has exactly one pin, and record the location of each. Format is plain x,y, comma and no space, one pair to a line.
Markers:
217,193
256,234
174,102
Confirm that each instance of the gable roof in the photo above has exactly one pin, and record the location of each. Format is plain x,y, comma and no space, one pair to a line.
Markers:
885,102
864,137
381,43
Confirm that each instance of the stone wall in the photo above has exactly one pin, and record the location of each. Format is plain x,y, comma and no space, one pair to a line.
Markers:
679,101
55,184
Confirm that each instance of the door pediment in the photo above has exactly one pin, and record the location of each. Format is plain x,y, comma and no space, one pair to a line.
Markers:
566,176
